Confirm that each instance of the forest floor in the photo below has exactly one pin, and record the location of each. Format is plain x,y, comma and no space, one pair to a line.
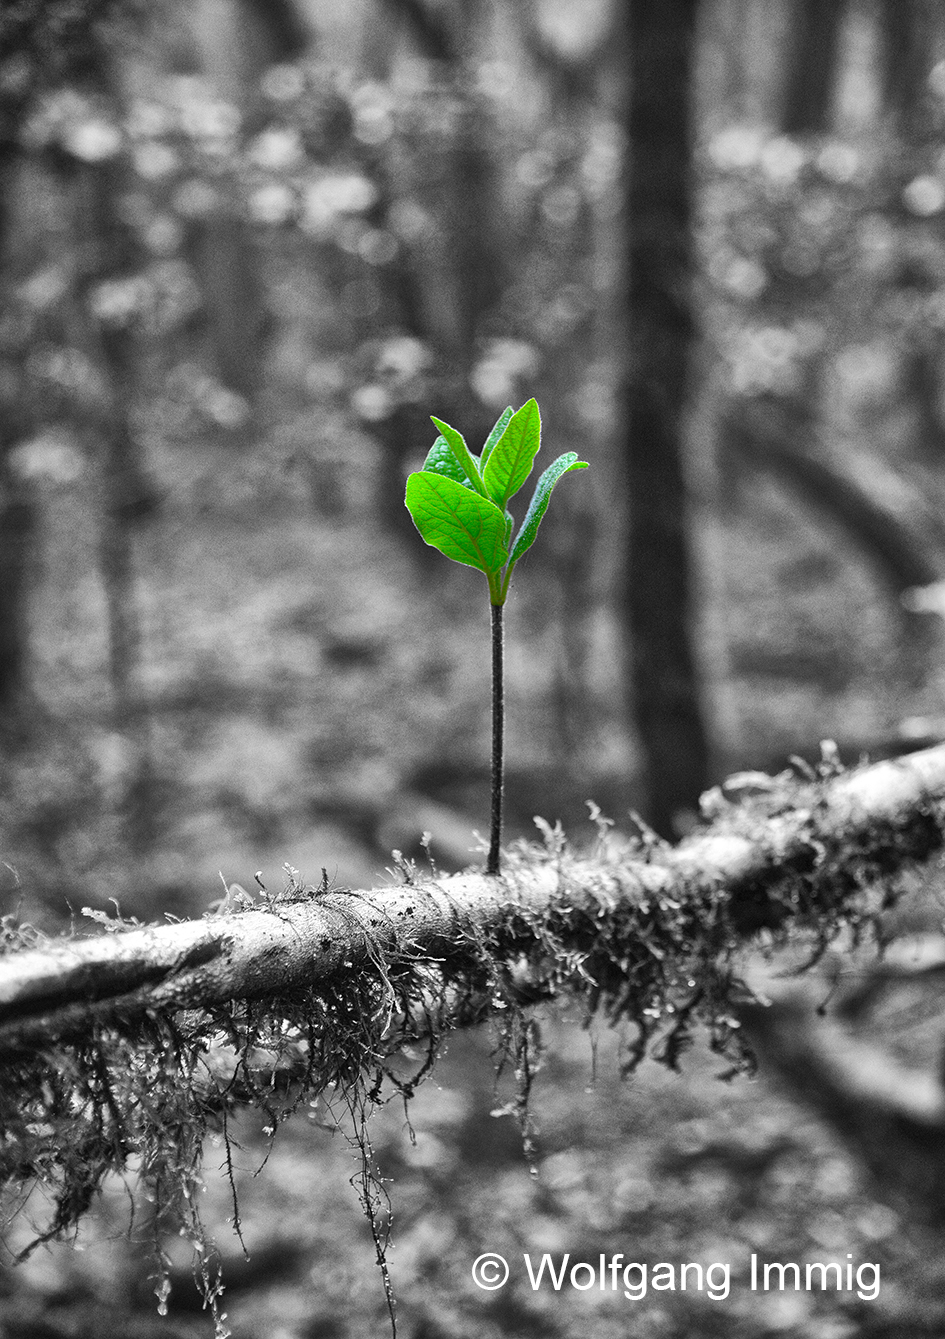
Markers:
664,1168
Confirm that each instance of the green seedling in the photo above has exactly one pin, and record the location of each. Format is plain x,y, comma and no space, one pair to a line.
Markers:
459,502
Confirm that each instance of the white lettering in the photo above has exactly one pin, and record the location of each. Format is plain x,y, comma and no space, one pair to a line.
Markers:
556,1280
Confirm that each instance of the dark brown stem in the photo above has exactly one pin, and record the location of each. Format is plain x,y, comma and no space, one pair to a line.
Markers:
498,734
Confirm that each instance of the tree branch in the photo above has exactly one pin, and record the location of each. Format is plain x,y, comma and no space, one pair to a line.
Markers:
138,1043
765,433
760,865
891,1114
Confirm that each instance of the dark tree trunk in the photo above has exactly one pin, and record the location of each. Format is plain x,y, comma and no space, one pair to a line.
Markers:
17,538
17,508
111,257
25,46
50,44
473,269
125,493
233,44
813,45
908,31
921,385
228,266
664,684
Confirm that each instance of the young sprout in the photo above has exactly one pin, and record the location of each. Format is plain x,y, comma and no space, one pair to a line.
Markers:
459,503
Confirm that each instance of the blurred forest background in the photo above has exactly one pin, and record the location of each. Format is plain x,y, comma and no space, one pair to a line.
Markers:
248,246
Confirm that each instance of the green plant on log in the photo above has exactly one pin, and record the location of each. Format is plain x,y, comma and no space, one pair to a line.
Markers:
459,502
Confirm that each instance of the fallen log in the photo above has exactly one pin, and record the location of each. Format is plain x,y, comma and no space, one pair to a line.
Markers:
796,851
135,1044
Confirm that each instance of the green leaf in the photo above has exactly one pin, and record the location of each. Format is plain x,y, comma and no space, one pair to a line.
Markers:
466,527
540,499
510,461
460,450
495,434
440,460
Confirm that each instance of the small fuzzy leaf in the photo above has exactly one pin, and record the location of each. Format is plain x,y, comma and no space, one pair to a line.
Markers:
495,434
441,460
540,499
450,517
510,461
460,450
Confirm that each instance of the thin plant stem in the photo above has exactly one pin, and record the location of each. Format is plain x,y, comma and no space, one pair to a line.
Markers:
498,738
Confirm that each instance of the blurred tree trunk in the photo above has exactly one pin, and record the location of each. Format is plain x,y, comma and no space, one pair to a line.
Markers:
440,289
18,523
664,683
18,516
473,277
235,41
40,45
908,31
126,496
107,314
17,508
922,387
813,45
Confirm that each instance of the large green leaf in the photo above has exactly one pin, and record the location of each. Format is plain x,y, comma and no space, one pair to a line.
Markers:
540,499
457,445
452,518
510,461
441,460
495,434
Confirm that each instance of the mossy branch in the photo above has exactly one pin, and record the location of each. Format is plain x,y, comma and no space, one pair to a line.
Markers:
140,1042
761,860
